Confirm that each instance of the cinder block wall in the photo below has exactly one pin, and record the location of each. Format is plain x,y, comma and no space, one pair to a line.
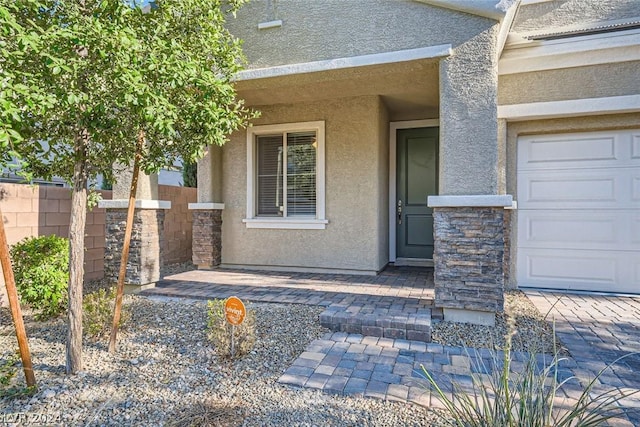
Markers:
42,210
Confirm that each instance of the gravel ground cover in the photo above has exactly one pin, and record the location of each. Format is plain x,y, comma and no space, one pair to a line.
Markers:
532,332
167,373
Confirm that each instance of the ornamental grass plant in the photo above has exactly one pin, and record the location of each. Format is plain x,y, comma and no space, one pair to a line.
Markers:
529,397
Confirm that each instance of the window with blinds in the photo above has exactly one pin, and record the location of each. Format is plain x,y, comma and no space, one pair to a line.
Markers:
286,174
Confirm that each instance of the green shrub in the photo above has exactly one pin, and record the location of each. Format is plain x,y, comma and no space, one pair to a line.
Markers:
219,331
498,397
41,268
97,317
8,369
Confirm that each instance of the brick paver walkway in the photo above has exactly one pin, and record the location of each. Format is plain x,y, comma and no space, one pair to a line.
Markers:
596,330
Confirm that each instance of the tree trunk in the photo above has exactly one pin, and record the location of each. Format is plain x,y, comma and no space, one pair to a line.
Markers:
76,254
127,242
16,313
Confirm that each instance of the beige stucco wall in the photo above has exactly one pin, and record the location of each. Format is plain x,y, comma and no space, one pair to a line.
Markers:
560,13
319,30
570,83
469,149
356,157
573,124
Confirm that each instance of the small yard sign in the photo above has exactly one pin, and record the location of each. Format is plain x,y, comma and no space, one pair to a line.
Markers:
234,310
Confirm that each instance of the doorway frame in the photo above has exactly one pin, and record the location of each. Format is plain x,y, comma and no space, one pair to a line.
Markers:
393,145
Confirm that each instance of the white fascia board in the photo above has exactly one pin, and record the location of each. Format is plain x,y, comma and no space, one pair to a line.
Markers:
570,108
430,52
140,204
529,56
489,200
494,9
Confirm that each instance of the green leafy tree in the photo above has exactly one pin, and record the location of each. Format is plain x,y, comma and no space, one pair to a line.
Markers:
114,73
190,174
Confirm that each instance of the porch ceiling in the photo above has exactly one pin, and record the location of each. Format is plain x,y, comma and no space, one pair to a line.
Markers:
409,89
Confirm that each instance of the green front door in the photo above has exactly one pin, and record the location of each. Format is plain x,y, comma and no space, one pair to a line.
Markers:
417,178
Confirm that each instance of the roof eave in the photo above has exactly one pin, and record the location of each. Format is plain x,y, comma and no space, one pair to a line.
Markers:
493,9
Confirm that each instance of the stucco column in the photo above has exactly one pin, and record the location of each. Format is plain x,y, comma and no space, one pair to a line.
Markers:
145,252
207,213
469,211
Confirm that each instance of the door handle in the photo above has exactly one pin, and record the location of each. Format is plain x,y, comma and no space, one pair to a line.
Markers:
399,211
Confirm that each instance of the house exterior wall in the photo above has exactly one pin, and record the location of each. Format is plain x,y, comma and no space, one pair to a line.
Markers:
572,124
594,81
321,30
356,153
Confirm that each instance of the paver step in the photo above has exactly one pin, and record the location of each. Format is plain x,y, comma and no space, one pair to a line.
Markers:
381,323
351,364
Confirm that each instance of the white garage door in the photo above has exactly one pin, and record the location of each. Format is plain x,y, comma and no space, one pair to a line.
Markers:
579,211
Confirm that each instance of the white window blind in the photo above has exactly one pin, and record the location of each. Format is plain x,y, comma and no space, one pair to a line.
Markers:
286,174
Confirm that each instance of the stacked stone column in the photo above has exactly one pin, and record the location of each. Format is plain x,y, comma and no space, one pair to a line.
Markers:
469,256
207,234
145,251
207,213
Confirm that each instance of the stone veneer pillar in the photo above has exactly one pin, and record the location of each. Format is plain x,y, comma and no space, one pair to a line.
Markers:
145,251
469,255
207,234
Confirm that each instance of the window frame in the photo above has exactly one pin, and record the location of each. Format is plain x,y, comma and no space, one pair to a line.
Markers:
252,220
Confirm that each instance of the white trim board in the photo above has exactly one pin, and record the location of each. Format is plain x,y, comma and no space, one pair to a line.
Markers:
570,108
288,223
140,204
393,144
524,56
431,52
206,206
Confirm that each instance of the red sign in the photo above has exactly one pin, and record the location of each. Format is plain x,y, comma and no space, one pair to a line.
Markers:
234,310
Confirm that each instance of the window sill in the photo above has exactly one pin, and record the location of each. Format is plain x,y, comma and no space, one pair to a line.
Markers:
287,223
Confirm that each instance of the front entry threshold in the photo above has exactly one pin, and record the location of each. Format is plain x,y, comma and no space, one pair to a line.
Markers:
413,262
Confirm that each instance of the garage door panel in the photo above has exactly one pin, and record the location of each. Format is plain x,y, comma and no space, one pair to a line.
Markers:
611,230
635,188
635,231
582,150
576,189
579,270
570,230
544,265
571,149
635,147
